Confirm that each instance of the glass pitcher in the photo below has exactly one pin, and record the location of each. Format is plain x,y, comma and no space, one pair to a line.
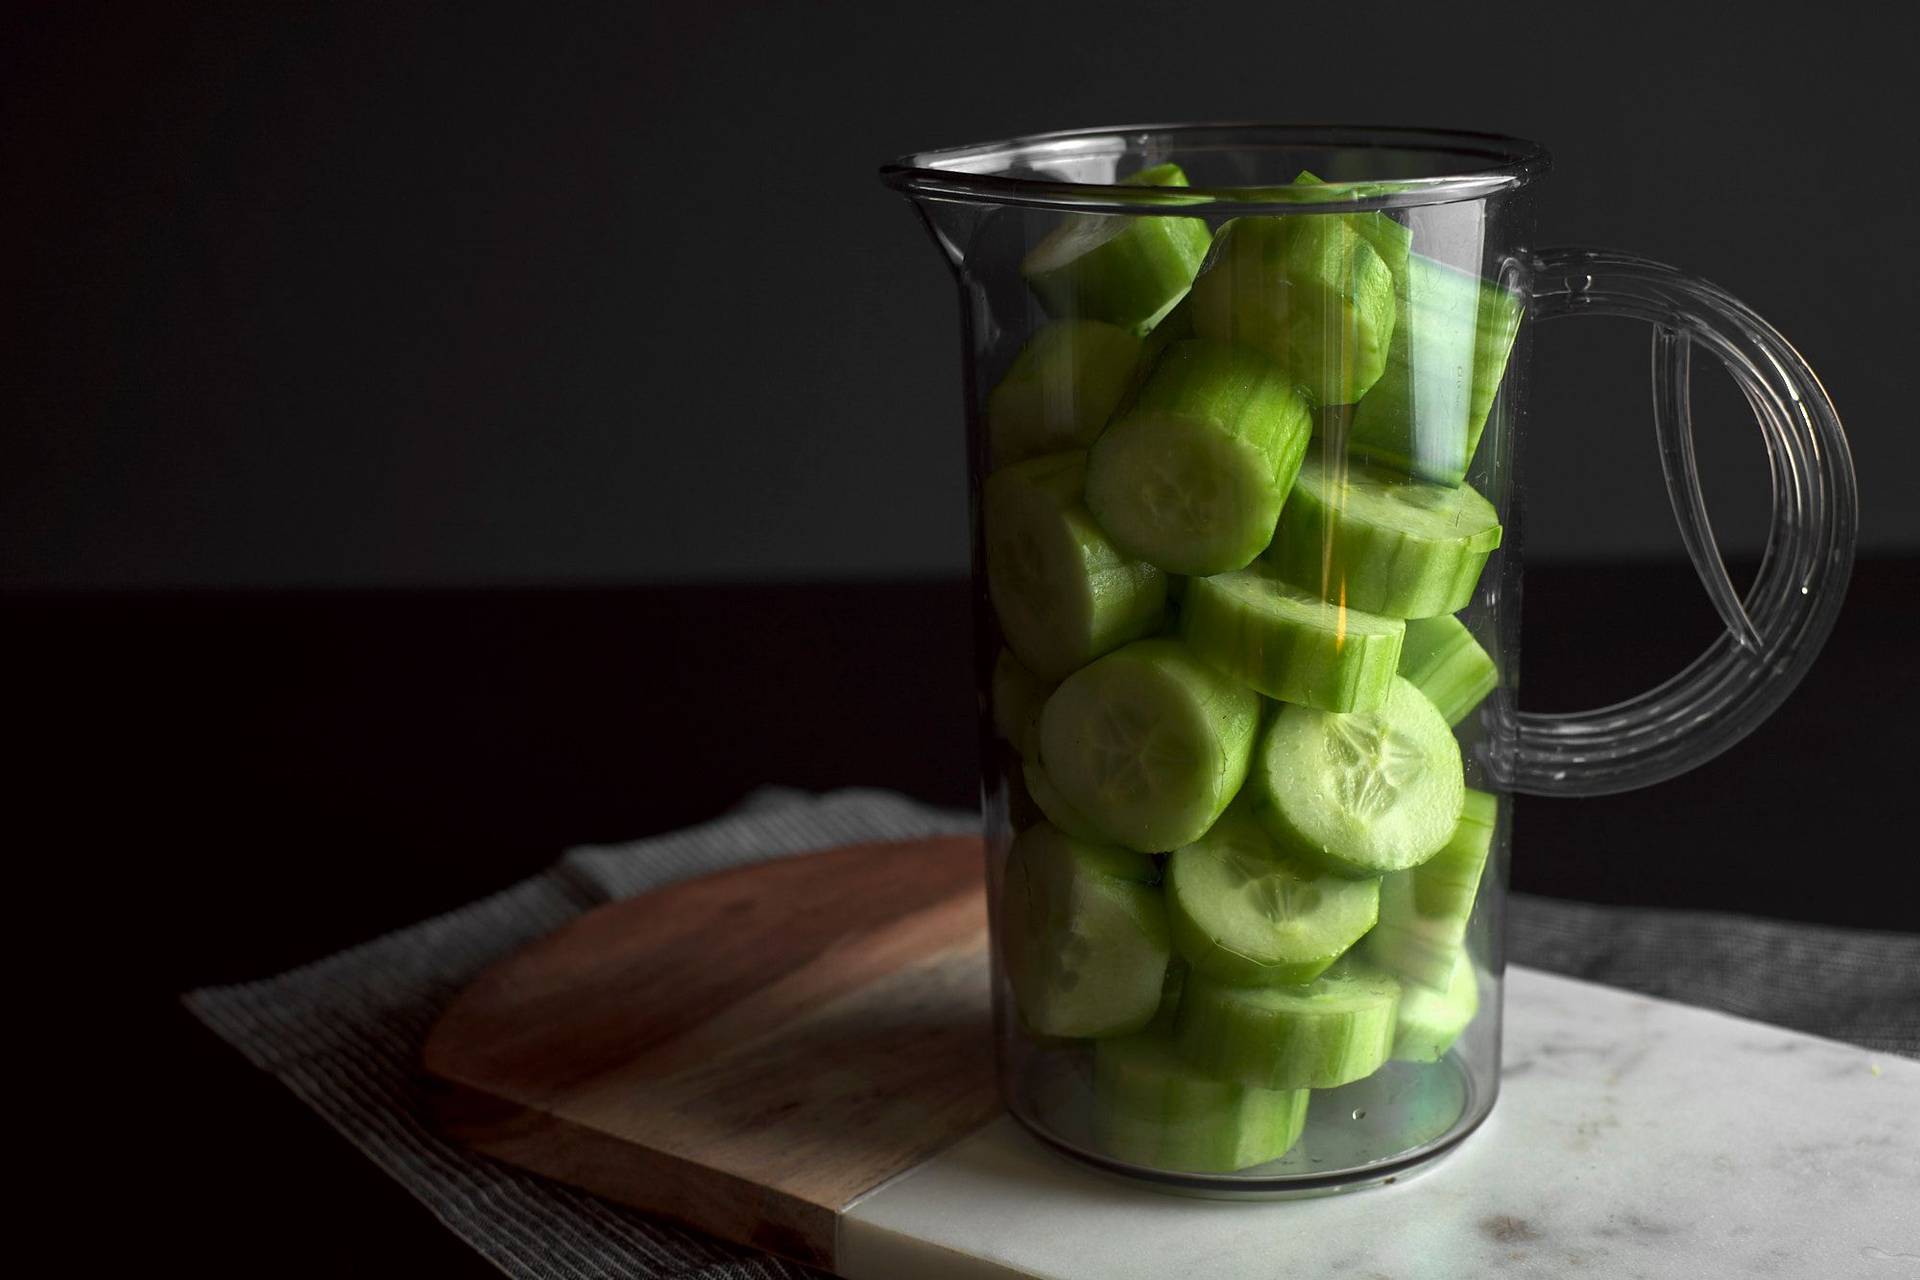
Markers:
1244,408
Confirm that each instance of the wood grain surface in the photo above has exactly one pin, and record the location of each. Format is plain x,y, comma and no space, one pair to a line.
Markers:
747,1052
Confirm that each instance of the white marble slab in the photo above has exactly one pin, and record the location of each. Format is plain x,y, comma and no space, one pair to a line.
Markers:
1633,1138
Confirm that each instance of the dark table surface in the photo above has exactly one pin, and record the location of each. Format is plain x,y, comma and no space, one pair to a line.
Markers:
224,784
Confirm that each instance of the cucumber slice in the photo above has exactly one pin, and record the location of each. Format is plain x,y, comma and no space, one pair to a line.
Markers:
1444,661
1307,290
1018,695
1375,541
1191,477
1047,798
1335,1030
1124,269
1060,390
1393,241
1363,793
1151,1108
1450,346
1428,1022
1241,913
1424,910
1064,594
1084,935
1290,644
1149,742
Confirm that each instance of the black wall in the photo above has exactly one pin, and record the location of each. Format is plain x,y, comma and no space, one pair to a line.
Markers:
489,293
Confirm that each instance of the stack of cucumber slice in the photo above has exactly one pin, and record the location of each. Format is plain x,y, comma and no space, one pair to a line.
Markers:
1227,533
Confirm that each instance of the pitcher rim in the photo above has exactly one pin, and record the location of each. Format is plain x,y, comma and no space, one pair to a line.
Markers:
942,173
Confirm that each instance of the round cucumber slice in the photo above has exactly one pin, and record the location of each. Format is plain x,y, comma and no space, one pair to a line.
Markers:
1151,1108
1241,913
1060,390
1335,1030
1428,1022
1064,594
1290,644
1308,291
1126,270
1444,661
1425,415
1371,540
1149,742
1018,695
1047,798
1424,910
1192,476
1084,935
1362,793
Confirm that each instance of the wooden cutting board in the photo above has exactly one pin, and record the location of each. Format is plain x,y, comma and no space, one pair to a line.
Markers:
749,1052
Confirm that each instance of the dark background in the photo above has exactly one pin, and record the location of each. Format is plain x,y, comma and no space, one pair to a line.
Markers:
432,436
486,293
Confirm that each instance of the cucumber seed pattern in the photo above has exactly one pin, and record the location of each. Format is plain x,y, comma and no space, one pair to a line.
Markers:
1374,761
1276,894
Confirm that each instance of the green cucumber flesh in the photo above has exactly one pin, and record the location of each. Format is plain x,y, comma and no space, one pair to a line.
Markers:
1290,644
1084,935
1429,1021
1128,270
1240,912
1372,540
1149,742
1444,661
1424,910
1064,594
1151,1108
1450,346
1192,476
1361,793
1393,241
1337,1029
1308,291
1047,798
1061,389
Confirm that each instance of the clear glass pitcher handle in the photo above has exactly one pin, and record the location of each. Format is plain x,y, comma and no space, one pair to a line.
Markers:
1771,636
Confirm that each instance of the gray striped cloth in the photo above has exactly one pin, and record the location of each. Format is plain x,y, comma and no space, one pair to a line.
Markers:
344,1033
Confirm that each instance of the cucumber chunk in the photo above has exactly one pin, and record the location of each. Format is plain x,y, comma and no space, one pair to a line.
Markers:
1191,477
1424,910
1307,290
1362,793
1149,742
1450,346
1084,935
1393,241
1375,541
1290,644
1047,798
1060,390
1242,913
1337,1029
1444,661
1063,592
1124,269
1151,1108
1430,1021
1018,695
